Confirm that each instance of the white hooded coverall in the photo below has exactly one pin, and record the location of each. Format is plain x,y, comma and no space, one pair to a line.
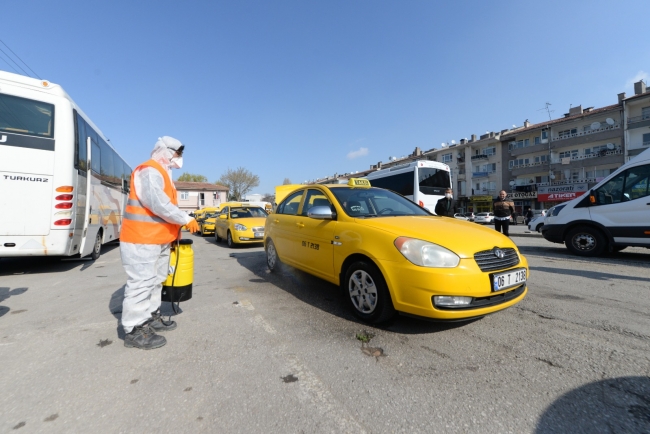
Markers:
147,265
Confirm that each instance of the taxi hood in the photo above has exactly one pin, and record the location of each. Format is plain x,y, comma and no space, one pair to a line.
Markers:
462,237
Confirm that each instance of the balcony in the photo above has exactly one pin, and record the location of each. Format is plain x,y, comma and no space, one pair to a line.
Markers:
635,119
521,166
482,174
479,157
568,160
586,133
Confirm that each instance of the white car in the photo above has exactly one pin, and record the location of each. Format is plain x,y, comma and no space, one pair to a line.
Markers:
484,218
460,217
536,223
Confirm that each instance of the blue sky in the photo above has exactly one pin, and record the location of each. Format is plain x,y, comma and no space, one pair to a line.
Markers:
304,89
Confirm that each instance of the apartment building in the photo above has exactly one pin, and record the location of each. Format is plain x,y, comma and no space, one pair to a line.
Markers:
193,196
551,162
637,120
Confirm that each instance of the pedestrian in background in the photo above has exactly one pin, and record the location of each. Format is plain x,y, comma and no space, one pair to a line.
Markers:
529,215
151,221
447,206
503,209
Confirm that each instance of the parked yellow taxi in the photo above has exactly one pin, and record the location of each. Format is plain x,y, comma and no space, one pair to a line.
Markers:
207,223
390,255
240,225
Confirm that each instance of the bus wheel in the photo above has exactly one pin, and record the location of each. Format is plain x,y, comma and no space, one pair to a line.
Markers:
97,248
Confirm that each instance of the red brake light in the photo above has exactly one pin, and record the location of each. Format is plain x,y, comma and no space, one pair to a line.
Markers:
64,205
63,222
63,197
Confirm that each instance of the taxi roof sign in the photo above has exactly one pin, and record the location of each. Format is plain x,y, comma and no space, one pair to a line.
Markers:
359,182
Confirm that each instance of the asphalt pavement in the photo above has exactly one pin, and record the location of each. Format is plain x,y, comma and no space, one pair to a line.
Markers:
262,352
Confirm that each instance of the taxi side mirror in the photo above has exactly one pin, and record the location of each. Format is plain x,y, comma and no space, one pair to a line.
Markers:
320,213
223,216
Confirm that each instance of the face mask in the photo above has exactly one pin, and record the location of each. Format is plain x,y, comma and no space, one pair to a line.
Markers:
448,195
176,163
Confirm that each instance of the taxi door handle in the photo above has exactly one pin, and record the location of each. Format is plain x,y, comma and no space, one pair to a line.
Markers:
300,225
276,221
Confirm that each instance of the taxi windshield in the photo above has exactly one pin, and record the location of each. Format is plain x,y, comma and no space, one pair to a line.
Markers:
241,213
375,202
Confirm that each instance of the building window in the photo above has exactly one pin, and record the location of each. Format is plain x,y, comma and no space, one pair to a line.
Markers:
538,140
566,154
567,133
544,134
645,113
446,158
489,151
541,159
185,195
595,150
520,162
646,139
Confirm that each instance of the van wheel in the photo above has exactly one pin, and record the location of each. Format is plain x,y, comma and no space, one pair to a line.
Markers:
366,291
539,227
97,248
585,241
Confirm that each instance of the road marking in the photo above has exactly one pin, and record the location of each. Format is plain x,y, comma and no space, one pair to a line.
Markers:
259,320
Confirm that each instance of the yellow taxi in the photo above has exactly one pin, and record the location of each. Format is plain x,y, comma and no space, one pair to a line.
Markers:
240,224
390,255
207,223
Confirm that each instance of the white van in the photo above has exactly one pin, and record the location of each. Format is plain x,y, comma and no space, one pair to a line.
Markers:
611,216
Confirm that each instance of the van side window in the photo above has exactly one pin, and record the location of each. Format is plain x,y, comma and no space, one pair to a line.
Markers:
628,185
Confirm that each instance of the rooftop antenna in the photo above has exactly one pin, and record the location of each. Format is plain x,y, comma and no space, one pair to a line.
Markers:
548,111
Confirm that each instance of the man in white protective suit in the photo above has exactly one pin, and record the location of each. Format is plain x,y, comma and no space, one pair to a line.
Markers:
151,221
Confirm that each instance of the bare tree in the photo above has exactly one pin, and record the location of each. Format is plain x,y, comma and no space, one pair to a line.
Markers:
191,177
286,181
268,197
239,182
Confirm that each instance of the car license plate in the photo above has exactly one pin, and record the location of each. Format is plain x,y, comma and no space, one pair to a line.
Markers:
258,234
509,279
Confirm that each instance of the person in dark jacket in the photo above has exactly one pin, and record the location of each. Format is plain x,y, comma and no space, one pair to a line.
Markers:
503,209
529,215
447,206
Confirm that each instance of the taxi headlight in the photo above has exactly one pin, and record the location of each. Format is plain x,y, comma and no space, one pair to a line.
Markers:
426,254
239,227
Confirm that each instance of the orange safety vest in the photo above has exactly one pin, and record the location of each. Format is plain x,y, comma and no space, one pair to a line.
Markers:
140,225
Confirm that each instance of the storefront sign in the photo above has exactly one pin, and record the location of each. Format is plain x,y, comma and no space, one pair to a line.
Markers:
522,195
561,193
481,198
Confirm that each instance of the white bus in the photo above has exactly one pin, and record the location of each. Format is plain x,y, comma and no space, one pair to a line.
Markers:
422,181
63,188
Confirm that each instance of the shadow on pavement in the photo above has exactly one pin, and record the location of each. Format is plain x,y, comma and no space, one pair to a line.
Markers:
48,264
588,274
558,251
328,297
617,405
5,293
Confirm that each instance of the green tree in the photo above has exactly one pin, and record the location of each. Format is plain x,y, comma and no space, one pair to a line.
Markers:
239,182
191,177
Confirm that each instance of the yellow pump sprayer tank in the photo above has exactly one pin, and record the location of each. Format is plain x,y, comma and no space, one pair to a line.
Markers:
178,286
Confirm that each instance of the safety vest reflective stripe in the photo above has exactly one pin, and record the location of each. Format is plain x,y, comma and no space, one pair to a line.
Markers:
134,202
143,218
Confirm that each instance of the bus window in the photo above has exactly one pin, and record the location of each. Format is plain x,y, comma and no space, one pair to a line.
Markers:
95,158
401,183
81,154
106,164
433,181
25,116
127,177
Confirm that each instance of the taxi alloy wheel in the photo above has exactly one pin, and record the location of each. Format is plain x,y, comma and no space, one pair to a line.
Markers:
367,293
272,258
229,240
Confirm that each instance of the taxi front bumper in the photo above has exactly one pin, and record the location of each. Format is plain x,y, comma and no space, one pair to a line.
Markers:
413,288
